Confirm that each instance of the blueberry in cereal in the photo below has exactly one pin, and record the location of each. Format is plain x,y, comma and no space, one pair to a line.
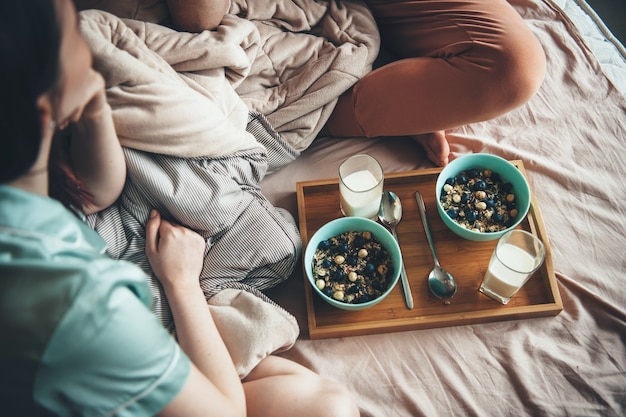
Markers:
352,267
479,200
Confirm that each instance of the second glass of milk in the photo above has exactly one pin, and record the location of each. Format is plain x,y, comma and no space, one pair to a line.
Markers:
360,186
516,257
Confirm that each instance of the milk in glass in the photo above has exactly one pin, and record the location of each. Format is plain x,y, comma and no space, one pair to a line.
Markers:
503,280
360,195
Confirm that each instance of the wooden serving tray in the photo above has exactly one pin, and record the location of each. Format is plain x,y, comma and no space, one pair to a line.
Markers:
318,203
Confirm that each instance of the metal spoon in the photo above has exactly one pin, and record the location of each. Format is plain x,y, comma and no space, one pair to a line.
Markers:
390,214
440,281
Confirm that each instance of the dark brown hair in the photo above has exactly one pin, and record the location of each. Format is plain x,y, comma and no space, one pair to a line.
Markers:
30,41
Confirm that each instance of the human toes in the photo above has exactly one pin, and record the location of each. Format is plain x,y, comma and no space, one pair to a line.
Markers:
435,146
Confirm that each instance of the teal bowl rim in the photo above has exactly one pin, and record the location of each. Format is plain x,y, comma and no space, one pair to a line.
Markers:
484,163
377,231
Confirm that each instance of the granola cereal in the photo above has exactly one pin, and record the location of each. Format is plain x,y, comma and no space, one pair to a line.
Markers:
479,200
353,267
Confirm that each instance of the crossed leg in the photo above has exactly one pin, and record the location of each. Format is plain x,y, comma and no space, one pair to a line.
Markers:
458,62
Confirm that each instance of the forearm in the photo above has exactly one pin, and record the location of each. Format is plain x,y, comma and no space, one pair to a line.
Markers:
197,15
97,158
200,340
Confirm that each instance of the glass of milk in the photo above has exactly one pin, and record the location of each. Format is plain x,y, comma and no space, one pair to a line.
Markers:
360,186
516,257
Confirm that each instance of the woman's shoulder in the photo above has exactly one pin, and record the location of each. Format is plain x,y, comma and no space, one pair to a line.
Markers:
51,262
109,352
89,324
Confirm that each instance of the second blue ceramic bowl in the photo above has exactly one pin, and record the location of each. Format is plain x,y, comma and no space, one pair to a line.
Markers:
508,173
356,224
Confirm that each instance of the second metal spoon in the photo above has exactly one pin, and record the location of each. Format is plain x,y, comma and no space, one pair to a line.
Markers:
440,282
390,215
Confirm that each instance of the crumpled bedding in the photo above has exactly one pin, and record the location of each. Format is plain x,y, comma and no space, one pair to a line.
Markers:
188,94
609,51
202,118
312,51
154,108
571,138
251,245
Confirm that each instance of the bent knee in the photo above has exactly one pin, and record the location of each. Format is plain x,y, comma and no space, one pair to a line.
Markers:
338,401
520,73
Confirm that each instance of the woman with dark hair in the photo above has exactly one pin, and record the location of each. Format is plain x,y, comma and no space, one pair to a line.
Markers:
76,333
42,92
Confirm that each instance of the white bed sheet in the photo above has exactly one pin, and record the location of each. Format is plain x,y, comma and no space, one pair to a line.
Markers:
608,50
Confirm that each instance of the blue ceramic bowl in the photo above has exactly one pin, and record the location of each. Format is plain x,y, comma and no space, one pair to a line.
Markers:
356,224
508,173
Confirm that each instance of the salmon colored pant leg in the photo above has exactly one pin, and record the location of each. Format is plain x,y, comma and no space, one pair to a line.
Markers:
458,62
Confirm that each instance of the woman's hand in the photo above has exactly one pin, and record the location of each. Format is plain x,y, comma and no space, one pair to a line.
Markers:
89,101
175,253
94,153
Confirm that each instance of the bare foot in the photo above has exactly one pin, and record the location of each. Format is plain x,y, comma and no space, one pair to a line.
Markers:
436,146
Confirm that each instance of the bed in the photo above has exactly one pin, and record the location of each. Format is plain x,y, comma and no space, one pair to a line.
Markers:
571,138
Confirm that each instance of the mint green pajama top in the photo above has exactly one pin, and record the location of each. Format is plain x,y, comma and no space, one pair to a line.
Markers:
77,337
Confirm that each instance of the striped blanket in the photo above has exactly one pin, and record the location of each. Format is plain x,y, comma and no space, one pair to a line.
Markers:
251,245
